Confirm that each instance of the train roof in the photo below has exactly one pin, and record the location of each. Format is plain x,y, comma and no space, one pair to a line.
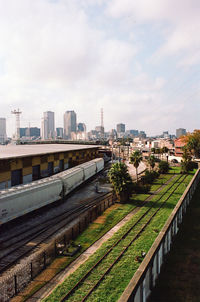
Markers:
17,151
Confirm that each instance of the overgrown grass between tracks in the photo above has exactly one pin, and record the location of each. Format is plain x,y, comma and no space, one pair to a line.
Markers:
145,245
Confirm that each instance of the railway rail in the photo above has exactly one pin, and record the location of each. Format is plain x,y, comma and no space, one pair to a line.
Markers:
144,220
27,242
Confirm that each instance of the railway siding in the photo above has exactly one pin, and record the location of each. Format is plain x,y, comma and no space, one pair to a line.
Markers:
14,280
78,279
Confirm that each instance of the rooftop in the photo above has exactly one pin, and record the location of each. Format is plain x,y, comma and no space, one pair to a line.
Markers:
13,151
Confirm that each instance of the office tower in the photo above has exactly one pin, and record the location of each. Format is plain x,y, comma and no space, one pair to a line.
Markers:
69,124
59,132
48,125
180,132
3,136
120,128
22,132
81,127
132,132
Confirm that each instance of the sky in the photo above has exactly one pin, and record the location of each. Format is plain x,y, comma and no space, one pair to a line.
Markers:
138,60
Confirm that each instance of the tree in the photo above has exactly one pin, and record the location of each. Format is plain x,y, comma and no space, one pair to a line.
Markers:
186,162
163,167
165,149
135,159
192,141
121,180
153,150
151,161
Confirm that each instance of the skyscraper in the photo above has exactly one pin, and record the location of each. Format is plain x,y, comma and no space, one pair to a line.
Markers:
3,136
120,128
48,125
180,132
59,132
69,124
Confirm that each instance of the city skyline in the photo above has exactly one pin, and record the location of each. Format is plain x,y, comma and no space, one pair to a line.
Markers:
49,129
139,60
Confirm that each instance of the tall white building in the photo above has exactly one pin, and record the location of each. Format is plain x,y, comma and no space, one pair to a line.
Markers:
48,125
3,136
69,124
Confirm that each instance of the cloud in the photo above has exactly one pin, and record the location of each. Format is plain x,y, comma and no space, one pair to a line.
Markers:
179,24
91,54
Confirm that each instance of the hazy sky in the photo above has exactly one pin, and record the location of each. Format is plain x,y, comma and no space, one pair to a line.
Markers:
139,60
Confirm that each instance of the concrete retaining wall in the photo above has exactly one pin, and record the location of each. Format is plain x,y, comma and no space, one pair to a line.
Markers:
12,282
143,281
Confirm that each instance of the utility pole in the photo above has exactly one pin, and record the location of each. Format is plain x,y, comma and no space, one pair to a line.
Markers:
17,123
102,126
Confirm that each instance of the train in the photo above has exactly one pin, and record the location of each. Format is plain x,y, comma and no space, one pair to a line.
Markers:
20,200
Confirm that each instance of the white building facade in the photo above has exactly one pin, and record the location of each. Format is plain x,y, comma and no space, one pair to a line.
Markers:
48,125
69,124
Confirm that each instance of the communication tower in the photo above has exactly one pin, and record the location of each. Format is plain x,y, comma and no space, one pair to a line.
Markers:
17,123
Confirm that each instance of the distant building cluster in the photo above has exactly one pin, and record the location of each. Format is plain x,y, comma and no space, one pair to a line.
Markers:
73,130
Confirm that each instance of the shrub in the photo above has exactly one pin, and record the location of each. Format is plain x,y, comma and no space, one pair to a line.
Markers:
149,177
163,167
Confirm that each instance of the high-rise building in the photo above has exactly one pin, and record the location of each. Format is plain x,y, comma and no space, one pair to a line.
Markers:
48,125
120,128
29,132
132,132
69,124
3,136
180,132
142,134
81,127
59,132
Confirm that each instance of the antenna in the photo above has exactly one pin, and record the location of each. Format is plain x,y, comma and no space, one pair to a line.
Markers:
102,127
17,115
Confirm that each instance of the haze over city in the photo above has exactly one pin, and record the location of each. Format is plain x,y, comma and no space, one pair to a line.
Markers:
137,60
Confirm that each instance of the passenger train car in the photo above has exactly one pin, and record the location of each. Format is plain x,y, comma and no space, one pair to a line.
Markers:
20,200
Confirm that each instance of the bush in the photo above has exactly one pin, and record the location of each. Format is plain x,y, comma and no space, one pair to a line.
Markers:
163,167
187,166
139,188
149,177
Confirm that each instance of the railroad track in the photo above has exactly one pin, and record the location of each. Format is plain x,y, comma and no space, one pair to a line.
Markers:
27,242
141,224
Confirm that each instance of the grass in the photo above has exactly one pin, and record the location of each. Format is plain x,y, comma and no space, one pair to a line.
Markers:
125,267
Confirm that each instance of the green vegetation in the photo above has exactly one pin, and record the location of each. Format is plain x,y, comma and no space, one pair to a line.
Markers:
192,141
114,284
163,167
121,180
151,161
135,159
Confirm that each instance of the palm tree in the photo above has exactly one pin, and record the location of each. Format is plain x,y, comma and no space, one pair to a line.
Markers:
151,161
153,150
164,150
135,159
120,179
